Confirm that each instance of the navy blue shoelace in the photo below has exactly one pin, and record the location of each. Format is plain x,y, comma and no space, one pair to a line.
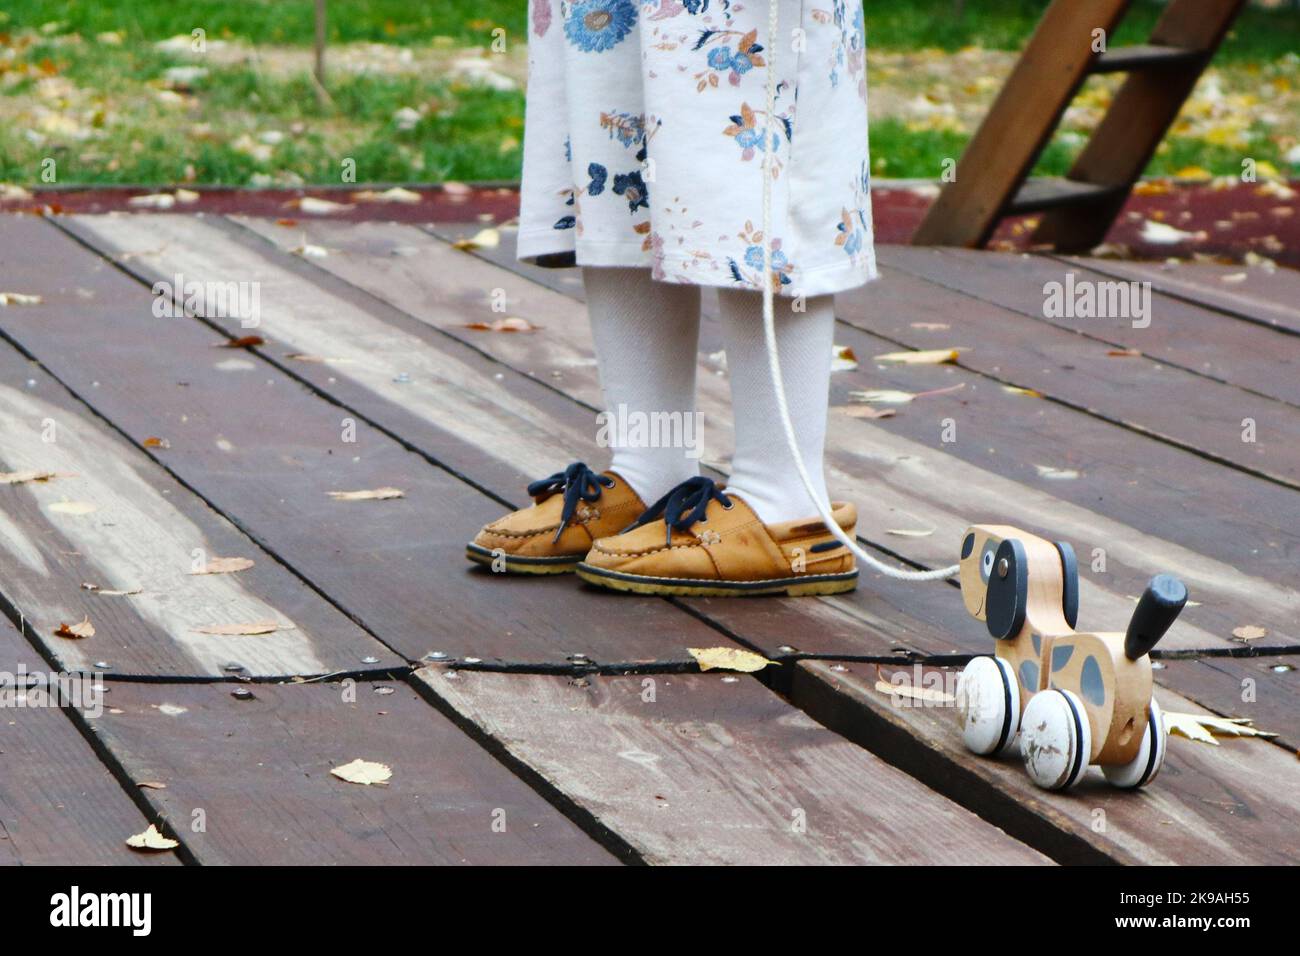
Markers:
576,483
683,506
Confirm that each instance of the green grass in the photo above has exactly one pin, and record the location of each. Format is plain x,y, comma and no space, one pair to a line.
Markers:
289,22
467,133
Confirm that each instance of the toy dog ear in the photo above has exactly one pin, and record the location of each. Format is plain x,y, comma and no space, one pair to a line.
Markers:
1070,577
1008,590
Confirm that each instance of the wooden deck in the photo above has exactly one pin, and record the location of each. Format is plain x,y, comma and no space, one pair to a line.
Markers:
536,721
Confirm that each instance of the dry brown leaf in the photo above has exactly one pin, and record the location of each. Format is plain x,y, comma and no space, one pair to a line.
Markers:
19,298
866,411
887,396
484,239
153,441
73,507
371,494
1250,632
1203,727
151,840
23,477
843,359
244,630
243,342
365,772
932,694
76,631
1016,390
1123,353
151,785
106,592
225,566
728,659
923,357
511,324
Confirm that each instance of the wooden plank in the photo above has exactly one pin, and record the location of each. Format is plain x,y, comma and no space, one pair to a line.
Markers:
248,782
1145,56
1269,298
1234,804
1180,407
711,769
127,525
1199,340
1018,125
1136,121
397,565
59,805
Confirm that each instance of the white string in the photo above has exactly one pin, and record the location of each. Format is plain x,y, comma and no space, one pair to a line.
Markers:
769,335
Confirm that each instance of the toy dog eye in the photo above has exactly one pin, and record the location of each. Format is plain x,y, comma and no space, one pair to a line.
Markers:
986,565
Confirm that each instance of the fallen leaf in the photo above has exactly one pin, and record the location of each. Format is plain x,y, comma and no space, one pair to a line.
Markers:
153,201
243,342
932,694
225,566
931,326
317,207
1234,278
372,494
1123,353
1016,390
151,840
73,507
865,411
76,631
106,592
906,533
1250,632
843,359
19,298
308,251
23,477
151,785
1203,727
300,357
511,324
244,630
885,396
365,772
485,239
728,659
1057,474
396,194
1163,234
155,442
171,710
924,357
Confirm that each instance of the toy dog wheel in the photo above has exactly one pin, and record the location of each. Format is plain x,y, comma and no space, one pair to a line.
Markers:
988,701
1055,739
1143,768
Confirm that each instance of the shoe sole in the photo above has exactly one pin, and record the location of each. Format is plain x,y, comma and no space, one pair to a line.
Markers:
792,587
515,564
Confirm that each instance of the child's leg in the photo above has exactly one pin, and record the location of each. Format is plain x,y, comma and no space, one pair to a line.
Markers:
647,335
761,471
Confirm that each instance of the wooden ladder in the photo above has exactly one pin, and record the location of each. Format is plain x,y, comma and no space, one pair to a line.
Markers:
991,181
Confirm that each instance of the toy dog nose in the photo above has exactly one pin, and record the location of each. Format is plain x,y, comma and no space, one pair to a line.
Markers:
1161,603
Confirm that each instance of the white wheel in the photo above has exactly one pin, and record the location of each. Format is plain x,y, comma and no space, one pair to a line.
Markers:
1142,769
1055,739
988,701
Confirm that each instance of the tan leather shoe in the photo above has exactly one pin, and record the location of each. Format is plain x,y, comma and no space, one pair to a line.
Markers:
570,510
698,540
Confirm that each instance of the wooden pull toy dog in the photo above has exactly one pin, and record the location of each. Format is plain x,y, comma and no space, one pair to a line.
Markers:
1074,698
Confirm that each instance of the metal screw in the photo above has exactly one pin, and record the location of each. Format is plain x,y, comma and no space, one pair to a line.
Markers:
787,649
233,666
435,656
1003,567
101,665
242,693
473,660
1282,668
839,668
368,659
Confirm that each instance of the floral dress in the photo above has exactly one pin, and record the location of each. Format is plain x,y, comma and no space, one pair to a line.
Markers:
645,133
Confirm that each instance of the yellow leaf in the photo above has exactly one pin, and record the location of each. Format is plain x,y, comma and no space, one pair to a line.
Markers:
371,494
932,694
364,772
1016,390
925,357
1250,632
151,840
862,411
76,631
225,566
484,239
396,194
240,630
1202,727
728,659
18,298
22,477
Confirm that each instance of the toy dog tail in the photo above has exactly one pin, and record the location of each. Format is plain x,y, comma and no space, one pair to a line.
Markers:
1159,607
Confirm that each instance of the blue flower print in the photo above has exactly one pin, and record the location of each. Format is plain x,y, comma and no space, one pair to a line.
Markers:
594,26
599,174
632,188
720,57
754,259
